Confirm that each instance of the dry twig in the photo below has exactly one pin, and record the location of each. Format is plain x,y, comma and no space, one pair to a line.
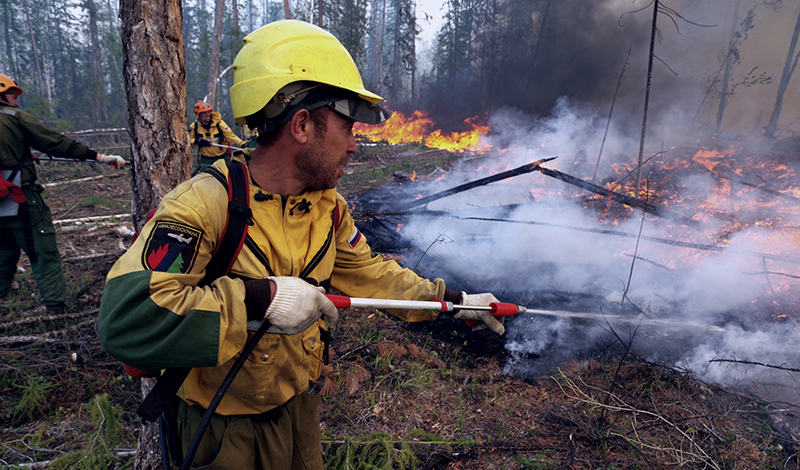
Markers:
681,454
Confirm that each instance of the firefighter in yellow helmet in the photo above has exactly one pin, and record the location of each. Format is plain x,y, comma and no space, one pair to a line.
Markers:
25,220
298,86
213,138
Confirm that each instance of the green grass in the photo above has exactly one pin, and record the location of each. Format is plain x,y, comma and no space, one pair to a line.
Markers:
94,200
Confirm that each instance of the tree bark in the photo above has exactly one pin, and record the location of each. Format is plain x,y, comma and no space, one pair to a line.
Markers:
155,79
155,87
788,70
213,63
287,14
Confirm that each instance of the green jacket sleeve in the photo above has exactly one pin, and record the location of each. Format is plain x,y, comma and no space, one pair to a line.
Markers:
154,313
52,143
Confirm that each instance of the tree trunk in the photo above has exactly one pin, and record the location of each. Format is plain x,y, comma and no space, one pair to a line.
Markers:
35,51
540,36
235,8
788,70
381,38
375,39
286,10
726,76
148,449
155,79
11,63
213,62
413,54
96,80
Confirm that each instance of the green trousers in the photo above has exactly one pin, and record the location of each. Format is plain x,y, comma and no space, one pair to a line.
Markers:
39,243
286,438
206,162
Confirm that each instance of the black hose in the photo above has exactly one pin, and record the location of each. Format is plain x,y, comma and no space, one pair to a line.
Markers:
201,429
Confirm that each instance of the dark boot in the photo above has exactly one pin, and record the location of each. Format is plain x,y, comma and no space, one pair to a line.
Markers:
55,309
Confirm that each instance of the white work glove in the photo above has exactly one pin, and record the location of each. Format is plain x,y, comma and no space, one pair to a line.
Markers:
296,306
114,160
484,316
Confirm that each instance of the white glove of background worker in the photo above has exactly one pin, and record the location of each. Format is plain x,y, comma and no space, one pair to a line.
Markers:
115,160
484,316
296,306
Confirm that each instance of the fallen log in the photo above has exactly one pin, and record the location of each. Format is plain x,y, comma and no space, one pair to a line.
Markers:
92,256
80,180
34,320
91,219
527,168
50,336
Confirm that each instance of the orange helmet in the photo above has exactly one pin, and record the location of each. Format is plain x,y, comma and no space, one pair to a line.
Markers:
201,107
7,84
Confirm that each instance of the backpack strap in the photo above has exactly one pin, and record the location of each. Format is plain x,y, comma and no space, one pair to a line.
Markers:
227,250
239,218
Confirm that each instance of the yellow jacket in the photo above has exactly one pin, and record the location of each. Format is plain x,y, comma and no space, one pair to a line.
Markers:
153,314
217,132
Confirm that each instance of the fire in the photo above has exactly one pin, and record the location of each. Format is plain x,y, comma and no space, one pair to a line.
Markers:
419,128
717,194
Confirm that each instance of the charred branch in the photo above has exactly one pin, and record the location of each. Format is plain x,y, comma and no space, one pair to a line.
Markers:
533,166
621,198
753,363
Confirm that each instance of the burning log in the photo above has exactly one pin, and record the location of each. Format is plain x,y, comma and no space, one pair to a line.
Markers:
527,168
627,200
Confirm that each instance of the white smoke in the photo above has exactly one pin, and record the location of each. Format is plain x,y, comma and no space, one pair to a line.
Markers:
558,247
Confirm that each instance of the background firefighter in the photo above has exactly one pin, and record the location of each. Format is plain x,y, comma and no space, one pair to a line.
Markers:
155,314
209,129
25,220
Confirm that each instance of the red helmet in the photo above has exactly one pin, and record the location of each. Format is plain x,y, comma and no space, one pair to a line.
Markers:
201,107
6,83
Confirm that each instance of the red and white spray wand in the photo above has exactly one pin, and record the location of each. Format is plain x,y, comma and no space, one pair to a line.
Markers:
497,309
502,309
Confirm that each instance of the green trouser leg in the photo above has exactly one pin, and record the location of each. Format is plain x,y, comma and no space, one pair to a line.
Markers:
286,438
9,256
45,259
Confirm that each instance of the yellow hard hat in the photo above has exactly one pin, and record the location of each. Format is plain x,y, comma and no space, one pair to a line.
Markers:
6,83
286,52
200,107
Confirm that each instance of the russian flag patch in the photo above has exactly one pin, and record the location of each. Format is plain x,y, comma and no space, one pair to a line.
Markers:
354,238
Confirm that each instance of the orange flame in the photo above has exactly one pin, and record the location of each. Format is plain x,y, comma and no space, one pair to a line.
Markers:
400,129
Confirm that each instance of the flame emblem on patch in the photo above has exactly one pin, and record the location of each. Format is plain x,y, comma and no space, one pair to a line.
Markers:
171,247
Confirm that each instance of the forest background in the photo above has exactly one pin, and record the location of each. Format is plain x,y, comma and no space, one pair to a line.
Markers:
716,61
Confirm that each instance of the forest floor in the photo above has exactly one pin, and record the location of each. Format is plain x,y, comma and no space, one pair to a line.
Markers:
394,396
